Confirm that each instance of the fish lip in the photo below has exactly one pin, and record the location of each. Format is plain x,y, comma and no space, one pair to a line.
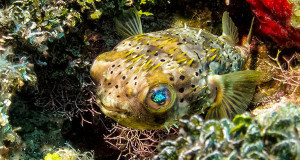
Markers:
114,109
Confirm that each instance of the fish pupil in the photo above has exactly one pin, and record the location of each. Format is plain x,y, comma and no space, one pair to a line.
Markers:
159,96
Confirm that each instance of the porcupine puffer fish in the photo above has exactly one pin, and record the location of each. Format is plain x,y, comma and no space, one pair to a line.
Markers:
151,80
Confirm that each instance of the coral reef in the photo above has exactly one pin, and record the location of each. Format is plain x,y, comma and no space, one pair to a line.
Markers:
46,48
14,72
69,153
275,136
278,20
281,72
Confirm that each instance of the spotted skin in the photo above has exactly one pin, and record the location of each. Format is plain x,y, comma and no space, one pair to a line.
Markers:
182,58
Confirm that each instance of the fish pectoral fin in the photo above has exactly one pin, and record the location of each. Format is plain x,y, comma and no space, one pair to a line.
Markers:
230,31
129,23
230,94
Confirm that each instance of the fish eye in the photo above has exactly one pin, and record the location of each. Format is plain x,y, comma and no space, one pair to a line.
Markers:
160,98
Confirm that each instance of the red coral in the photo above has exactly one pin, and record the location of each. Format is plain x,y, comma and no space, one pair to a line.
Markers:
274,21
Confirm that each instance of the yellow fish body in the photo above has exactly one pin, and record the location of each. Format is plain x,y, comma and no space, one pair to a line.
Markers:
149,81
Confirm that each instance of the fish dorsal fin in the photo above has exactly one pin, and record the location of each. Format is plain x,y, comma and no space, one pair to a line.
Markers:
230,32
230,94
129,23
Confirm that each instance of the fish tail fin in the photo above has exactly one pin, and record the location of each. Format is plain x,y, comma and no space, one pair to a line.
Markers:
230,94
129,23
230,31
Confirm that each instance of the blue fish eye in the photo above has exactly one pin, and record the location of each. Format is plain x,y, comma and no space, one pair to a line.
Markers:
160,96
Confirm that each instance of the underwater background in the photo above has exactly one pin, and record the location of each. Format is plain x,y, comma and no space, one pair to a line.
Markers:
47,104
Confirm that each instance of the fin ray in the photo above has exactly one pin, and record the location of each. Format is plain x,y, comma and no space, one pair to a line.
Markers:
229,29
234,93
129,24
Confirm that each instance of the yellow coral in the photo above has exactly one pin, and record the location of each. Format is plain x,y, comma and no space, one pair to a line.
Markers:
53,156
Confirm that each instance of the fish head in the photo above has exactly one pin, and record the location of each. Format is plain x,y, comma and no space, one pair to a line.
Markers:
141,100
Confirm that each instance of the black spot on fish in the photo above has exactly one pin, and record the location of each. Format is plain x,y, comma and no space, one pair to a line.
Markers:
118,96
193,86
148,50
126,95
119,65
135,78
109,83
181,90
162,60
200,71
137,47
182,77
113,65
120,73
129,44
196,73
181,100
109,93
130,68
116,86
156,54
171,79
123,77
135,83
127,82
183,40
111,72
179,43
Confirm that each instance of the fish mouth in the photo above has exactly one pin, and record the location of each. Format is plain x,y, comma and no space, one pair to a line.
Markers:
114,109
